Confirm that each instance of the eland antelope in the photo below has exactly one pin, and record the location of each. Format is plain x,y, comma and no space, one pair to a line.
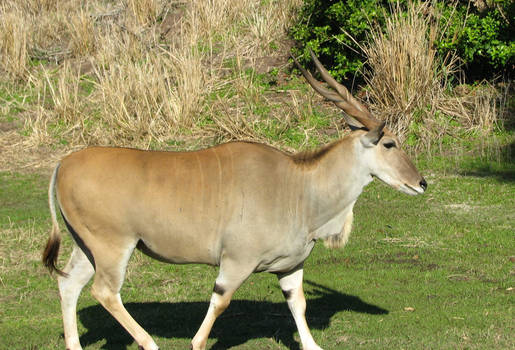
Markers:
245,207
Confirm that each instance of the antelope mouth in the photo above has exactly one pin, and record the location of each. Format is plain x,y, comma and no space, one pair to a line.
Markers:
411,190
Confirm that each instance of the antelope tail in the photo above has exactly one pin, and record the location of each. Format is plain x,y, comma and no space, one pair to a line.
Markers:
51,251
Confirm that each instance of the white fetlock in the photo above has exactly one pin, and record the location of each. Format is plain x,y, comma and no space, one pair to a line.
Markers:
74,346
198,345
149,346
316,347
312,346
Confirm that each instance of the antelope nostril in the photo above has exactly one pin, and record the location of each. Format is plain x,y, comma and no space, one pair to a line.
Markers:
423,184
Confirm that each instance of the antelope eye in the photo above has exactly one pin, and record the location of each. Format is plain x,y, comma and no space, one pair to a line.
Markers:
389,144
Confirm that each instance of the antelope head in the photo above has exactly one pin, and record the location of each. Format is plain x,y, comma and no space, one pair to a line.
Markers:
378,147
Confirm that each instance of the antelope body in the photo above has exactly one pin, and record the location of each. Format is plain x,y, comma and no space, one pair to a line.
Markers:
245,207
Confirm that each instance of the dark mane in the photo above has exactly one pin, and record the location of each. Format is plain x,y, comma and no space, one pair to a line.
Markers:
312,157
303,158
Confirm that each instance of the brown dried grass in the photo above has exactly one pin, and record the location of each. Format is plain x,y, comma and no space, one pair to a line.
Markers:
143,73
13,42
143,12
149,100
150,83
82,32
409,83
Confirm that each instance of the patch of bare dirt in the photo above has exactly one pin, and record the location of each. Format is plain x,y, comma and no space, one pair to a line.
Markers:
16,155
463,207
7,126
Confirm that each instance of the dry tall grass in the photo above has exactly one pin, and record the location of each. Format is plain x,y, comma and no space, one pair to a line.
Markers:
81,29
137,72
405,74
13,42
144,12
152,99
144,73
409,83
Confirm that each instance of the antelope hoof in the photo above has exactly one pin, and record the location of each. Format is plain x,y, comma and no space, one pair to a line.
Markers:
200,346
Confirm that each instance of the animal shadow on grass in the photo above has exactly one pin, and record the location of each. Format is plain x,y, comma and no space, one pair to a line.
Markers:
243,320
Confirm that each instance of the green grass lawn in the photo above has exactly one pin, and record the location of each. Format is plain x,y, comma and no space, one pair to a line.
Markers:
427,272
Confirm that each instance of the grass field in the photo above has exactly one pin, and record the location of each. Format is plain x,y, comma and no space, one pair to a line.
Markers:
430,272
434,271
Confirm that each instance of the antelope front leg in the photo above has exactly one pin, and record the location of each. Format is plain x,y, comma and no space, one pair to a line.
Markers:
291,285
230,277
219,302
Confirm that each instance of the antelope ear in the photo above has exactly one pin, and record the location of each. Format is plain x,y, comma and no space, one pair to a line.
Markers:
371,138
352,122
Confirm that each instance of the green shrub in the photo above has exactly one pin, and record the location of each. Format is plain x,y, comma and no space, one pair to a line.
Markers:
320,28
481,32
483,36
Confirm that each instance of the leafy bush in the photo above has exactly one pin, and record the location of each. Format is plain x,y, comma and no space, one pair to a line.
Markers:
320,28
482,34
411,85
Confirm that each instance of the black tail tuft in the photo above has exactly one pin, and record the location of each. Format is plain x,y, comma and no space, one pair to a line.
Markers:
51,253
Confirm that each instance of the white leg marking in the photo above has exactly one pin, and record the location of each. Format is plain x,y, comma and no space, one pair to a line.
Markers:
291,285
217,305
79,271
229,279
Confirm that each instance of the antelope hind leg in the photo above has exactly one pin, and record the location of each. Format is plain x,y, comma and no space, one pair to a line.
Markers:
229,279
110,273
79,271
